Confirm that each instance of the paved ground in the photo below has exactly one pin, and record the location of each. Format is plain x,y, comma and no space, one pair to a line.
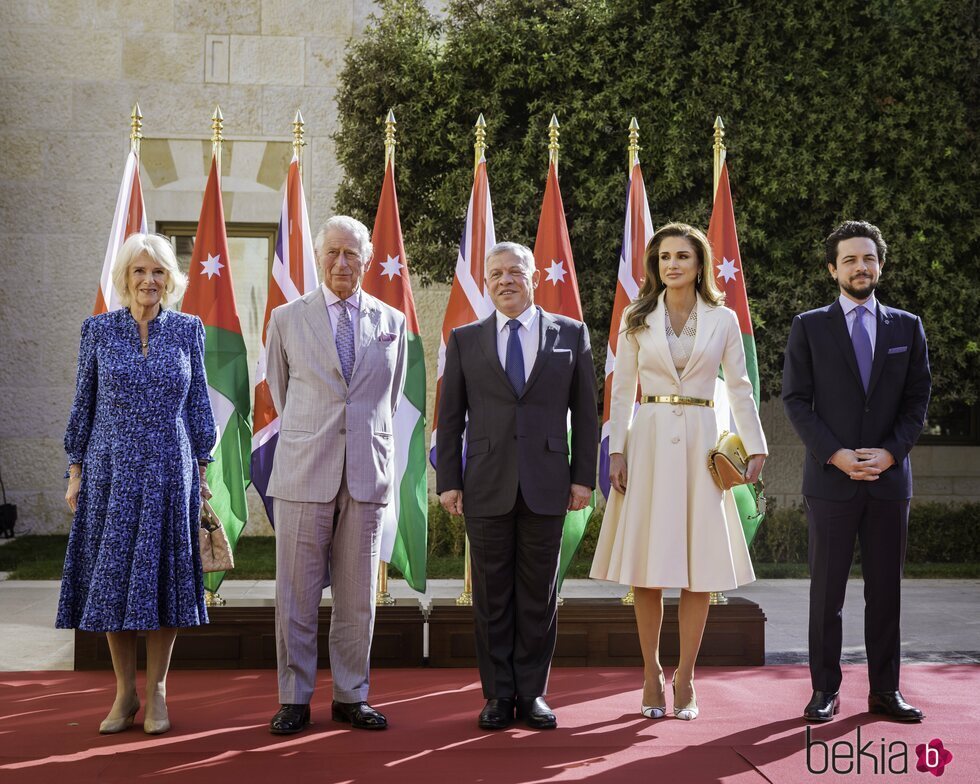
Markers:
940,622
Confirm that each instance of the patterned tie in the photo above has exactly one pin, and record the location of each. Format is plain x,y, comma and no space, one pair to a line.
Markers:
515,357
862,345
345,342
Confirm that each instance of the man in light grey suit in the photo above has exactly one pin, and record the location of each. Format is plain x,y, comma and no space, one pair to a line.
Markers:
336,368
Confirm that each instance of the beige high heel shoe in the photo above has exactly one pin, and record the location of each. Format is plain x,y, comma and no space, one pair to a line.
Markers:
157,726
655,711
688,712
111,726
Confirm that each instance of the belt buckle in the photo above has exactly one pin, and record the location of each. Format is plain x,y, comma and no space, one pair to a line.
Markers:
675,399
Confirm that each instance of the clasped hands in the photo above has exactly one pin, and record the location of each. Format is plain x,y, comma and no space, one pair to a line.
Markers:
863,465
578,498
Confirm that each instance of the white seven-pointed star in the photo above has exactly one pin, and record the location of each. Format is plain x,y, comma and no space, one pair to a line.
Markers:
392,267
212,266
727,269
556,272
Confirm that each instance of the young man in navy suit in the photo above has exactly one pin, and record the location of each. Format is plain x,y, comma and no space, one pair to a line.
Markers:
856,386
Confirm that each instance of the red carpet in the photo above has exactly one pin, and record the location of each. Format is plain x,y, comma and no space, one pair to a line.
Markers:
749,731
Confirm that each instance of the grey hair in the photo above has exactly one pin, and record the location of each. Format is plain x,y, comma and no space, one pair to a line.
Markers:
347,223
158,248
521,251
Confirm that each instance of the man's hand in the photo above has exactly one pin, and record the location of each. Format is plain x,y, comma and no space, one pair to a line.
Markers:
754,468
452,501
617,472
579,497
874,461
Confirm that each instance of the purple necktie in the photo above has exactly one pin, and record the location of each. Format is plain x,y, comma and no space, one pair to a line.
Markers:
515,357
862,345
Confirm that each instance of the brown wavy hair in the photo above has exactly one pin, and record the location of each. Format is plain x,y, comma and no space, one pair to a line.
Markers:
646,300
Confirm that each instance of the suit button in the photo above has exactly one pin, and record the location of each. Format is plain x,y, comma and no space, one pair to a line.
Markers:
343,431
675,440
867,409
348,401
678,412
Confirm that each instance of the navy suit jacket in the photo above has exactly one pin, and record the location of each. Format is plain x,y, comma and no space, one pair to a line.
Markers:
516,440
826,403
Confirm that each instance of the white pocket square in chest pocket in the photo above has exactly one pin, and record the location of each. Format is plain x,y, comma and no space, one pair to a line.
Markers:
898,349
387,337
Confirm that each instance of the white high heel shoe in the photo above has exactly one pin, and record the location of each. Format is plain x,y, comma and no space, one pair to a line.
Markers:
653,711
689,712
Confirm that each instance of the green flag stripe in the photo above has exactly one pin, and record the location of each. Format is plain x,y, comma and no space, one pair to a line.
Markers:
226,363
415,374
752,365
409,555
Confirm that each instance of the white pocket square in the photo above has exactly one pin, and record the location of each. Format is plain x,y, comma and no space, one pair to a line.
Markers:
898,349
387,337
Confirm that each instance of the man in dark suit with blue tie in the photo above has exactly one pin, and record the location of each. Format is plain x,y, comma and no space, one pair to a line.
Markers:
514,382
856,386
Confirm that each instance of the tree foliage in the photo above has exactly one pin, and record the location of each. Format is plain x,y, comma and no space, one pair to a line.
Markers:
852,109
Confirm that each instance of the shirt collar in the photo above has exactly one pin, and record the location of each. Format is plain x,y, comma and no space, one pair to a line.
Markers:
332,299
847,305
526,318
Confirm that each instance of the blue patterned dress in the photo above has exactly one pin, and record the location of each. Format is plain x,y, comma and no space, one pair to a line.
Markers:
138,425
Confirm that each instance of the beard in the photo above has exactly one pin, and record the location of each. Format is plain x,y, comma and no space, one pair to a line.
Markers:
859,289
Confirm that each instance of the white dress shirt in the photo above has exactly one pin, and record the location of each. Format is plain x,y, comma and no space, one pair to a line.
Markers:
849,306
335,303
528,333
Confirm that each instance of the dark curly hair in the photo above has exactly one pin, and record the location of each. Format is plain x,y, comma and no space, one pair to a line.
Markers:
848,230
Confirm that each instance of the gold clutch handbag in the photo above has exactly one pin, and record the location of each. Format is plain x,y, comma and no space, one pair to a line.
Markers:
727,461
216,553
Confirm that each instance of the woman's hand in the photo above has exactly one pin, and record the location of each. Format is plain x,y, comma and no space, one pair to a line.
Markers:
205,490
617,471
754,468
71,494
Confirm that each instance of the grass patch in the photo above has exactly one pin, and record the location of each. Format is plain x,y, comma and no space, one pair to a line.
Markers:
42,558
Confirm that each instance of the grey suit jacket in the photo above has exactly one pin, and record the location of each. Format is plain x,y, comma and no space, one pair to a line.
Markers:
325,422
516,440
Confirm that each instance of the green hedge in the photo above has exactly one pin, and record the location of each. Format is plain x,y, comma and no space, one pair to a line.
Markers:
856,108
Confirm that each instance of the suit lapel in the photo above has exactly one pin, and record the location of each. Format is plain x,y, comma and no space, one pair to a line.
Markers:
368,322
882,344
838,328
488,342
317,317
706,326
547,337
656,321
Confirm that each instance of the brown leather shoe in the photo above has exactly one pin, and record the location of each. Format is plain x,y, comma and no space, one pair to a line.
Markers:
359,715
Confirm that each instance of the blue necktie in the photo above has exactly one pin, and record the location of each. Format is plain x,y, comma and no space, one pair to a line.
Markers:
345,342
862,346
515,357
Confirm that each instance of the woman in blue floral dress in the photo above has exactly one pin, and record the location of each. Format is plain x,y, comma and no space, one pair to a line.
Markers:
139,437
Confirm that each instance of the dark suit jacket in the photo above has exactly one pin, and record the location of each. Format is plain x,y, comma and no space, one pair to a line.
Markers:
825,400
513,440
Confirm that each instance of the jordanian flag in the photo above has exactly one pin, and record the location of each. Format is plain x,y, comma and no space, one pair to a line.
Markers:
129,218
210,296
728,271
558,293
404,541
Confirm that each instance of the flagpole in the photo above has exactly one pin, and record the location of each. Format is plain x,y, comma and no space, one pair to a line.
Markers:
465,599
553,145
383,597
632,158
298,142
136,126
719,152
718,597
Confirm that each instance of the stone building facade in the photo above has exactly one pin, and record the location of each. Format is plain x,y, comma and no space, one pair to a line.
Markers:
70,72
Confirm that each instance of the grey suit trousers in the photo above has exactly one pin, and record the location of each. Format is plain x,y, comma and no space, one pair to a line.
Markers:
335,543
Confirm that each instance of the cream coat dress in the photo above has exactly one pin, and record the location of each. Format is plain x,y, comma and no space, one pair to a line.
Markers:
673,528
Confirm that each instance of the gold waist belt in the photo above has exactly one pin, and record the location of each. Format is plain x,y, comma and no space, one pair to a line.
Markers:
678,400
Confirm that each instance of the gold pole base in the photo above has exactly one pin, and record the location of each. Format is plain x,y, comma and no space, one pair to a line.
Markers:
465,599
717,597
629,599
560,600
383,599
212,599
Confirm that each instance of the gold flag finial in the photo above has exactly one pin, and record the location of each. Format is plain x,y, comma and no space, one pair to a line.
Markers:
136,128
217,126
298,142
633,155
480,147
553,145
719,150
390,137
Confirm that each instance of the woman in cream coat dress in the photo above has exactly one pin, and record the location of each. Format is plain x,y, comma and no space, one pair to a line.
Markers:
667,525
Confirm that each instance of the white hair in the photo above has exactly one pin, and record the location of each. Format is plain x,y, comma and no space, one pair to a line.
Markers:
347,223
523,252
159,249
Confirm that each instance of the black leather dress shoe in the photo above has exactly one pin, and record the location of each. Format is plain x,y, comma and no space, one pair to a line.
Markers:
359,715
536,713
290,719
497,714
892,703
823,706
